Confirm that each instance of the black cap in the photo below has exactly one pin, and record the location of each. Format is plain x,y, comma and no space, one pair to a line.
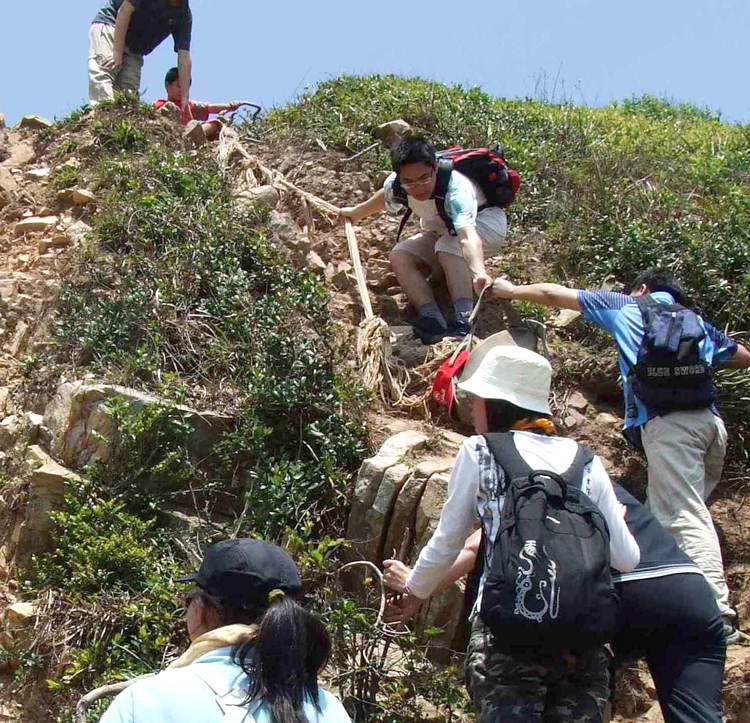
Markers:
244,571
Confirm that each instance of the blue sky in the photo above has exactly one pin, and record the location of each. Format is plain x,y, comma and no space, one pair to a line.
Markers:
586,51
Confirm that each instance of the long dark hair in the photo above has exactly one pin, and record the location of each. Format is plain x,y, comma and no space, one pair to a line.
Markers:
284,659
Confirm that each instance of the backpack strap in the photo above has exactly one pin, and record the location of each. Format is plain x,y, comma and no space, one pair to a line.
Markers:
228,697
444,170
404,220
573,476
507,456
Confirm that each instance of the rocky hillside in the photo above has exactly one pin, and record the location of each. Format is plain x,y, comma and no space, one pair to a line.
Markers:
179,337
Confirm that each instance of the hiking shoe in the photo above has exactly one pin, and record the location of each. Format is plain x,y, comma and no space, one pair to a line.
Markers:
459,331
731,634
430,331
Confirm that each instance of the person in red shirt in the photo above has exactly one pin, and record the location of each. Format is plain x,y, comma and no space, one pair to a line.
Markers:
195,110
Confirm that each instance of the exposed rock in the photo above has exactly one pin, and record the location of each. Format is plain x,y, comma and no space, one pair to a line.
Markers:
21,153
78,231
390,132
263,195
81,430
8,184
194,135
430,507
37,173
46,494
36,457
21,613
76,196
35,223
578,401
2,121
35,122
19,338
315,263
341,277
608,420
566,319
58,241
573,419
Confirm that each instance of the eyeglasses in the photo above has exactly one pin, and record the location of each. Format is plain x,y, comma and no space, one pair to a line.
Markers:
421,181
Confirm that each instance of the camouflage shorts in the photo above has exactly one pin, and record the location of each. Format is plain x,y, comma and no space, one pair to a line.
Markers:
531,687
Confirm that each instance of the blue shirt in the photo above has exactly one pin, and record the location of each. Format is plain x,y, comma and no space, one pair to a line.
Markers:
620,315
180,696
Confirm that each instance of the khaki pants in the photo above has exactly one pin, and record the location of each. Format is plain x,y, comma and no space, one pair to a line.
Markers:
102,82
685,452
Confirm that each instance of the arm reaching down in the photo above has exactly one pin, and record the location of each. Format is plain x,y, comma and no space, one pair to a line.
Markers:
374,204
122,24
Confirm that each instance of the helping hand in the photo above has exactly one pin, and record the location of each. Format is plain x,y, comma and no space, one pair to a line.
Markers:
403,608
347,212
502,289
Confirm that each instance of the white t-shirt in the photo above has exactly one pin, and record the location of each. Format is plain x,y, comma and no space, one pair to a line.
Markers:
462,201
477,488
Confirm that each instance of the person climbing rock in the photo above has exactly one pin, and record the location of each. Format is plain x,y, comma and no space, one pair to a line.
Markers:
124,31
675,420
668,615
196,110
510,679
479,233
255,653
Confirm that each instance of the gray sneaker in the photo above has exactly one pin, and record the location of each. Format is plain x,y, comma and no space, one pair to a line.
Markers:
731,634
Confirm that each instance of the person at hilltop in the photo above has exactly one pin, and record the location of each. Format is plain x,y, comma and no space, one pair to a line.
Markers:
509,680
255,653
676,424
459,252
124,31
668,615
196,110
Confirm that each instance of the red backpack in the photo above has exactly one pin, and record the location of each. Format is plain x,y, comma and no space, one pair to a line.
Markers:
486,168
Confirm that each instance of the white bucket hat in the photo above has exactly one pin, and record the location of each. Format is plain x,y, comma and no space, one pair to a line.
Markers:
515,374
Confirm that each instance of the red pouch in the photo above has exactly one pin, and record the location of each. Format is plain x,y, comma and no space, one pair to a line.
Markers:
444,386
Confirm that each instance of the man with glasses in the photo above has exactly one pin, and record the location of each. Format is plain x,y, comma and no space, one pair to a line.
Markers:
435,250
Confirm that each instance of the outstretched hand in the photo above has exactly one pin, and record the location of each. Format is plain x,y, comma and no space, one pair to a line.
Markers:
502,289
402,608
347,212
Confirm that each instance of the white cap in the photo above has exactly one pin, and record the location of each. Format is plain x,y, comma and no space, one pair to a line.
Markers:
517,375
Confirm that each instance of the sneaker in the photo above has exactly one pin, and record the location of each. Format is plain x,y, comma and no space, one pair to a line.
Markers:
459,331
731,634
430,331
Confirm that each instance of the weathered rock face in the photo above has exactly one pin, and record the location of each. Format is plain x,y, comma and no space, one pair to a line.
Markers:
81,430
396,506
35,122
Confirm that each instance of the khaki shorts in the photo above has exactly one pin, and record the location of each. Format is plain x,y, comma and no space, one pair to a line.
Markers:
492,227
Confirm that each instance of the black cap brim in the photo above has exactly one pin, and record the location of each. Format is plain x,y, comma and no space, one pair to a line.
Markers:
188,578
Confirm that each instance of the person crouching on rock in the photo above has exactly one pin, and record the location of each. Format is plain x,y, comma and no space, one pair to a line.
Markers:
255,653
458,253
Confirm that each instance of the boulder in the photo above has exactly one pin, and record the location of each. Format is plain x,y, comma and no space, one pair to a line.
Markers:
77,231
35,223
430,507
35,122
578,401
59,240
47,486
81,430
76,196
390,132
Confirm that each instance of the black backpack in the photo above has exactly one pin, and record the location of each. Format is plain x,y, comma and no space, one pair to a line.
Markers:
549,585
486,168
670,373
